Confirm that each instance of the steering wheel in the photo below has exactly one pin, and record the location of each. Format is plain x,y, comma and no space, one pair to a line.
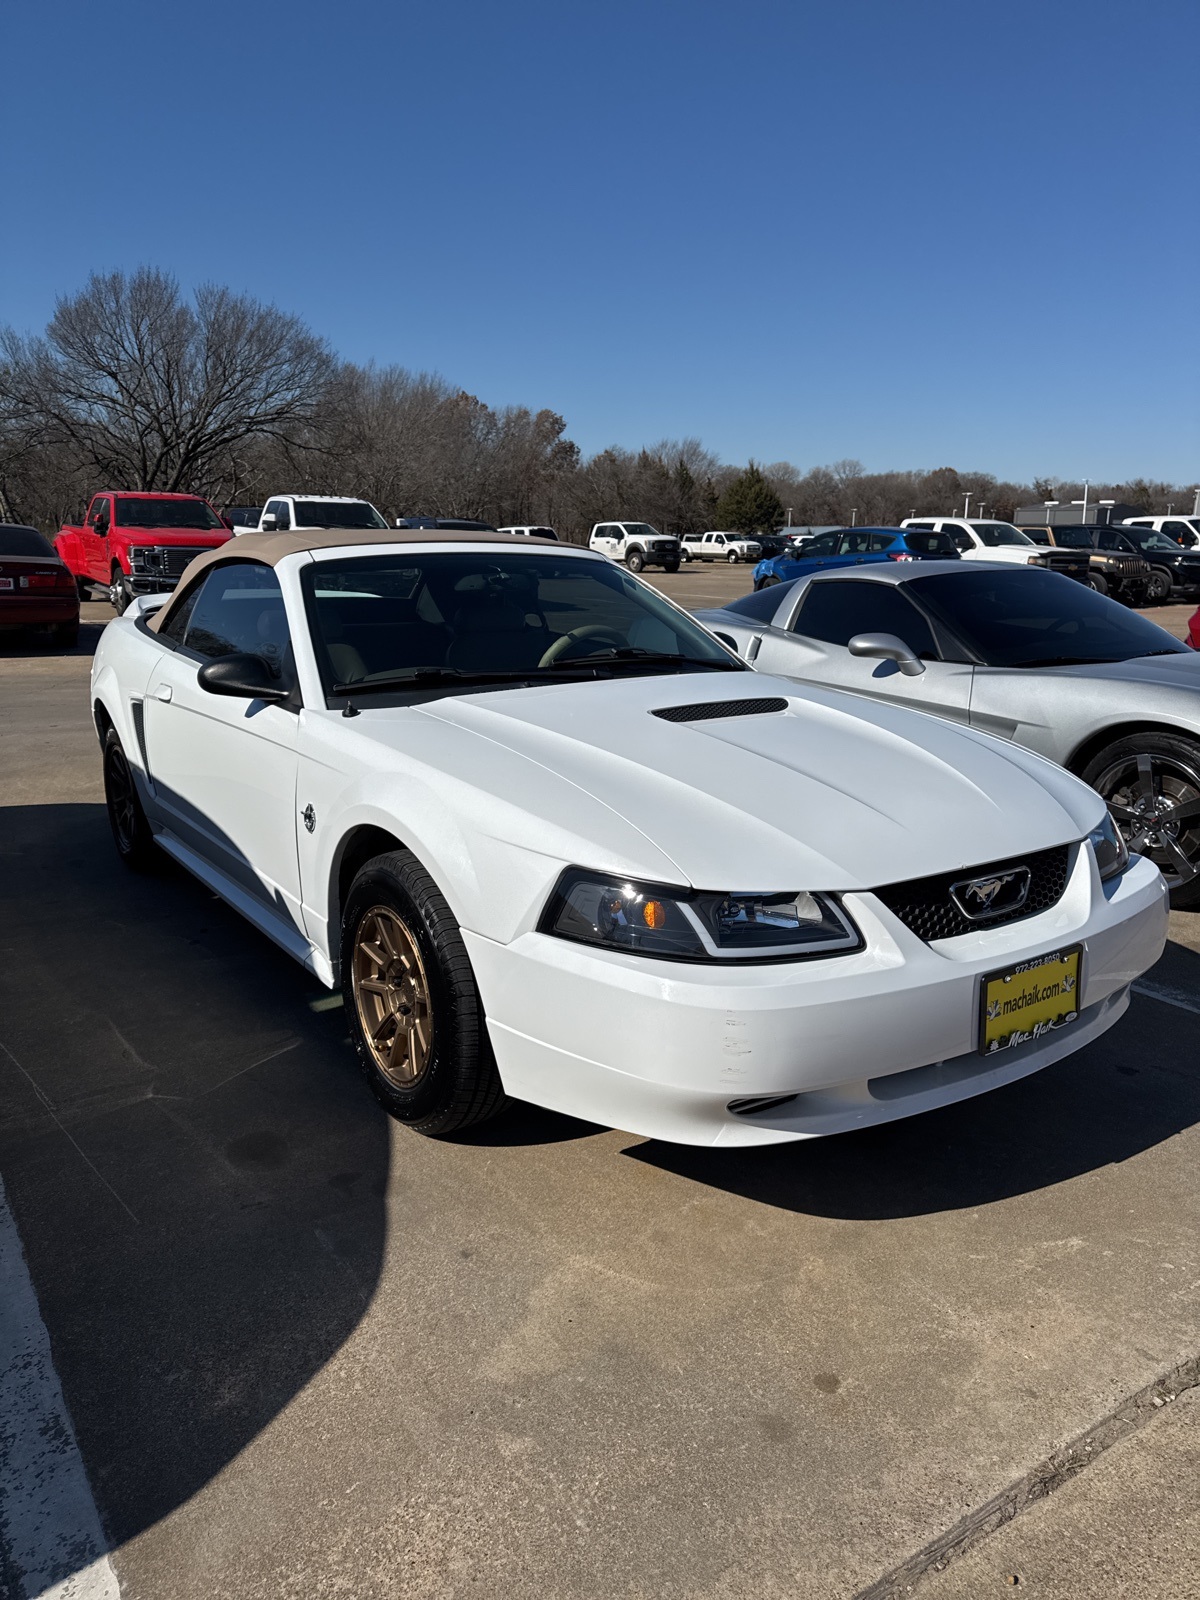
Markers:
592,630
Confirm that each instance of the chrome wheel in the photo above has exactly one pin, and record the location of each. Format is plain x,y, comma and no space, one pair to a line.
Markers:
391,996
1155,801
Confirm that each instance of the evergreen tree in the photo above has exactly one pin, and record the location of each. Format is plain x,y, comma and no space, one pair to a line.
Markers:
749,505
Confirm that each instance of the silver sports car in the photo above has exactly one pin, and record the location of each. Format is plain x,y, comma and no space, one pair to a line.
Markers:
1015,651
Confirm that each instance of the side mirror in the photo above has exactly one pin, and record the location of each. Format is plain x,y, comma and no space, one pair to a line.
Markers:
244,677
886,647
268,524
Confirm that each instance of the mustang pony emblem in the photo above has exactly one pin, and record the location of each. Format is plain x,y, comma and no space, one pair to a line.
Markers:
980,898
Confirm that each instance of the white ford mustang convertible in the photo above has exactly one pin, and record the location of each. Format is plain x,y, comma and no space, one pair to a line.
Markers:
554,841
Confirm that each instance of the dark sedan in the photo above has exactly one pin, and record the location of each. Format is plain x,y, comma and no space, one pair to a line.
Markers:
855,547
36,587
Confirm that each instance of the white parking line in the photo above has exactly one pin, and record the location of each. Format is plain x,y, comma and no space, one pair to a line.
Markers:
51,1540
1168,996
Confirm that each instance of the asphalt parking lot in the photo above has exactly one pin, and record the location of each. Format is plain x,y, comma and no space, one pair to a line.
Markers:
308,1353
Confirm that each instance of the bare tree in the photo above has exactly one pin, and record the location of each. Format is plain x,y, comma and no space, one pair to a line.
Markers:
154,393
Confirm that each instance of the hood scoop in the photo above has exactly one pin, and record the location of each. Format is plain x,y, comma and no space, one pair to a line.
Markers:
707,710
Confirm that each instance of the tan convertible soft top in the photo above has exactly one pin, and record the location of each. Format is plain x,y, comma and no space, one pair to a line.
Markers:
272,547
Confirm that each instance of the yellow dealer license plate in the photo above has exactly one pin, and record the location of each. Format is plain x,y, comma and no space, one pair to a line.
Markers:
1029,1001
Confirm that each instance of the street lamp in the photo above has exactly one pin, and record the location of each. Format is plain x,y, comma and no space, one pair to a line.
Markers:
789,520
1110,504
853,516
1049,505
1083,502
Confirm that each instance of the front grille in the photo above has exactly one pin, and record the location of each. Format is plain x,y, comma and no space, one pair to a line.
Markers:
174,558
706,710
925,906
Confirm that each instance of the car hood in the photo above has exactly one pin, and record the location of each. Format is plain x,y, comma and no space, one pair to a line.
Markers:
833,792
1180,671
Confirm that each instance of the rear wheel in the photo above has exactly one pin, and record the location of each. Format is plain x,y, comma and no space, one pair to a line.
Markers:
635,561
413,1007
1098,582
684,554
1159,587
1151,784
130,830
118,594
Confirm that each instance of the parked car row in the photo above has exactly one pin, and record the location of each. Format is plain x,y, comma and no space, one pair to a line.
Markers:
555,839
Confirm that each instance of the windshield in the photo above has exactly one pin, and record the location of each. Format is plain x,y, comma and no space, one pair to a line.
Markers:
1074,538
18,541
997,533
640,530
1150,539
1028,616
391,621
336,514
153,513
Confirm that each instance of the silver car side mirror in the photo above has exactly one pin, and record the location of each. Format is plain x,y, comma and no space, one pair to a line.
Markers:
887,647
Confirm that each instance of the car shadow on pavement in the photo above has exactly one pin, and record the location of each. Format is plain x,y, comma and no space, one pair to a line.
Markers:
197,1171
1134,1088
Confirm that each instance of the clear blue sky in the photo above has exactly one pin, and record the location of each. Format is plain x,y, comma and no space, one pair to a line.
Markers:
919,232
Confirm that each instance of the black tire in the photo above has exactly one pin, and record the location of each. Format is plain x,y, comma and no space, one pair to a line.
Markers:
130,830
1159,587
1098,582
458,1084
635,561
671,566
118,595
66,635
733,558
684,555
767,583
1137,798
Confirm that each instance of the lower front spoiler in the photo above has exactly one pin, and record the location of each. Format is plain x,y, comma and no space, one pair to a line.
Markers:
684,1116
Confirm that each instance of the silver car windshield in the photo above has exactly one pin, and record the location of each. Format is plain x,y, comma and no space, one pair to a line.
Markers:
1028,617
392,621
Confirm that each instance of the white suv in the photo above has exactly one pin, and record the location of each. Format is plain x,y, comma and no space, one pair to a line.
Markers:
1184,530
983,541
729,547
528,531
637,544
283,512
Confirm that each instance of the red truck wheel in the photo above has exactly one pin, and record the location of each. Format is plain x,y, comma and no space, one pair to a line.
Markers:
118,595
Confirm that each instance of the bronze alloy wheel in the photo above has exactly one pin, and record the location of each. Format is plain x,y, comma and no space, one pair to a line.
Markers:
391,996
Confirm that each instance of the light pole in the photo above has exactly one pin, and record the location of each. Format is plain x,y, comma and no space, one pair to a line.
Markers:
966,505
1049,505
789,520
1109,504
853,516
1083,502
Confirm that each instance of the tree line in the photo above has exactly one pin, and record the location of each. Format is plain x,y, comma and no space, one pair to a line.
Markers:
134,385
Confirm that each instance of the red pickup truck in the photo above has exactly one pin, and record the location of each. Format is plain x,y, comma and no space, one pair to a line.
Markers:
138,543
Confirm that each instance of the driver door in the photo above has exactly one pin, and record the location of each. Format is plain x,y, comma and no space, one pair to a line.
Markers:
223,770
832,610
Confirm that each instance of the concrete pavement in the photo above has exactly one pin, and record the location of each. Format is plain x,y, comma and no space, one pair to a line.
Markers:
307,1352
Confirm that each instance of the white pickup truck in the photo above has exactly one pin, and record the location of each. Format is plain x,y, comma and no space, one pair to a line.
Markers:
1184,530
283,512
731,547
637,544
979,540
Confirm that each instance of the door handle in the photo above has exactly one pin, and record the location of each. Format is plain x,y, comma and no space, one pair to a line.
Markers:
163,692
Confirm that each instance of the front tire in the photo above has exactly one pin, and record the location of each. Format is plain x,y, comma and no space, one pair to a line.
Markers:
1158,588
671,566
768,582
1098,582
130,830
732,558
1151,784
412,1004
635,561
118,595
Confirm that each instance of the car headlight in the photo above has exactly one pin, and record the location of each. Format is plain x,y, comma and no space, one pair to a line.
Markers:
146,556
685,925
1108,843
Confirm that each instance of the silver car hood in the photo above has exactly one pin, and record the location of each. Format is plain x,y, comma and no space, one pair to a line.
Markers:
836,792
1169,672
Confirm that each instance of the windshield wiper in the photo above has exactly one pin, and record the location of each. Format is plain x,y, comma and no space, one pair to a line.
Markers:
635,656
423,677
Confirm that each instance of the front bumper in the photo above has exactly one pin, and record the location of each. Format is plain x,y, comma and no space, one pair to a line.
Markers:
663,1048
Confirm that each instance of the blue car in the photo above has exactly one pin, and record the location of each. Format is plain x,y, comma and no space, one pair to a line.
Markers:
855,547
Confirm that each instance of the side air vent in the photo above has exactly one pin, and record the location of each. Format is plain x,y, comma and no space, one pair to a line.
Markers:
706,710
